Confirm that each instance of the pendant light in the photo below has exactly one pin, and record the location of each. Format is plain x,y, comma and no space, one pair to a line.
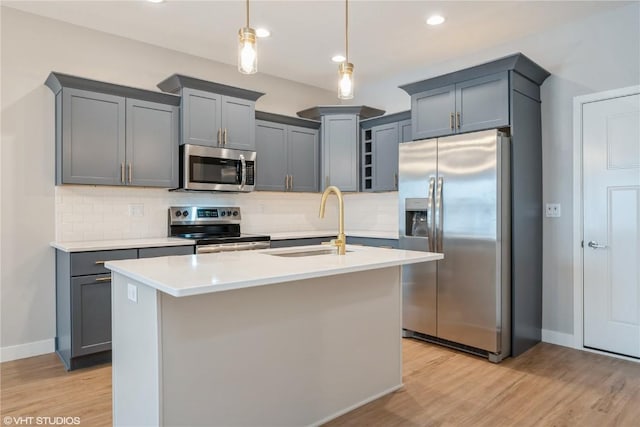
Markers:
247,49
345,69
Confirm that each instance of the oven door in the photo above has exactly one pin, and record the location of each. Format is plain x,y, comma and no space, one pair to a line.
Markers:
232,247
216,169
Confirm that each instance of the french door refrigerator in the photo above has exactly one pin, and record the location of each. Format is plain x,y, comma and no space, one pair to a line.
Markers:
455,199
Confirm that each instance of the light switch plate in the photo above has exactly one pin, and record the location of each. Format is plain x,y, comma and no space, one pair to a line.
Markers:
552,210
132,292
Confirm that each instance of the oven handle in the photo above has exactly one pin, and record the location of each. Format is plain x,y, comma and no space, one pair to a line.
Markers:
243,180
231,247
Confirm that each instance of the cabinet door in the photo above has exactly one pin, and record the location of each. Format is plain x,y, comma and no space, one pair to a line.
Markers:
93,138
385,157
483,103
303,158
404,131
340,151
152,144
431,112
201,117
271,156
239,122
91,314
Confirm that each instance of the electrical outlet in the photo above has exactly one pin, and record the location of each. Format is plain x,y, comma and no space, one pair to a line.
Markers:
132,292
553,210
136,210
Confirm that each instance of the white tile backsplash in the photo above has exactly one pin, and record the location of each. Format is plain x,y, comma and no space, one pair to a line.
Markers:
98,213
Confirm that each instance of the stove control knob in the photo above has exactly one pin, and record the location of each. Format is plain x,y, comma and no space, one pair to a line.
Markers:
178,213
235,213
228,213
223,213
185,213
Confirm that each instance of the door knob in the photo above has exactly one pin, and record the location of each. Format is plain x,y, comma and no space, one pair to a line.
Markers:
595,245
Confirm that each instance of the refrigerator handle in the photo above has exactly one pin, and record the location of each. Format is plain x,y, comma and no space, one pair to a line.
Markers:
430,214
439,218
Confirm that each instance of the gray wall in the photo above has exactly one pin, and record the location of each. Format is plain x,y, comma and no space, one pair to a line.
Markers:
31,47
595,54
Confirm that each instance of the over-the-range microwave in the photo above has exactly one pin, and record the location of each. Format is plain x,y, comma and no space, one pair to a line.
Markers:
216,169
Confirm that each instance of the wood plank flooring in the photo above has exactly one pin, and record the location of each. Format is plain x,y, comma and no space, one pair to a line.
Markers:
547,386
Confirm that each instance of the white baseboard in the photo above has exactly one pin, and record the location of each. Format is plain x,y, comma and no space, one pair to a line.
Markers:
29,349
558,338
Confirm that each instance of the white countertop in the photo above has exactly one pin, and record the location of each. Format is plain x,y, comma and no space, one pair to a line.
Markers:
199,274
349,233
106,245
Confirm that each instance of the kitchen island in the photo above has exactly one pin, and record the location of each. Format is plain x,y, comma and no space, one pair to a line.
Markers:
281,337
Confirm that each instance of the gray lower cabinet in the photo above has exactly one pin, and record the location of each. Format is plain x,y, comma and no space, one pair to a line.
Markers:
339,147
370,241
114,135
287,157
471,105
289,243
83,302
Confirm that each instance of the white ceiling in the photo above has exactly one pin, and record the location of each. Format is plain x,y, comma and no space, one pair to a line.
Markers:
386,37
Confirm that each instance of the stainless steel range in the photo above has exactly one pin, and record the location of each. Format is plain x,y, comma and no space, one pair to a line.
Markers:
215,229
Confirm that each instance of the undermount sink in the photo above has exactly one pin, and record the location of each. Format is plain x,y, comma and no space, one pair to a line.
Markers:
306,252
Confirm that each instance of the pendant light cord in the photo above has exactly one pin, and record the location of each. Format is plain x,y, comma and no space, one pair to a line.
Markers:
346,30
247,13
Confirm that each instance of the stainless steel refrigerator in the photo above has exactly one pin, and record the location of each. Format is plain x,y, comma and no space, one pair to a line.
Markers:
455,199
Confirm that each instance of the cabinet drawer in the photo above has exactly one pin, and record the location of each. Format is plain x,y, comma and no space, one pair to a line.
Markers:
165,251
85,263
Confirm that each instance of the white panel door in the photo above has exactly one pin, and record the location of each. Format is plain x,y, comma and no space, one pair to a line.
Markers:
611,159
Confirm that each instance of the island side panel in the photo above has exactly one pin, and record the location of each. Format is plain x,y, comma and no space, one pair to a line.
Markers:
135,354
294,353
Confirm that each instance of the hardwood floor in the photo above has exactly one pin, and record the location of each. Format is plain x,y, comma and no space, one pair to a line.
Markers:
547,386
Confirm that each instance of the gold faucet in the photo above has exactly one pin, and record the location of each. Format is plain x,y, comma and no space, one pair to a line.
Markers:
341,241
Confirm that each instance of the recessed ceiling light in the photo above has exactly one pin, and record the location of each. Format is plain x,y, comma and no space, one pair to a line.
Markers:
435,20
338,58
155,1
262,32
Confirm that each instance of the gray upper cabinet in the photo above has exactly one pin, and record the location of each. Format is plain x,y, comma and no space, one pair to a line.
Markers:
340,151
385,149
470,105
114,135
238,123
200,116
93,138
340,140
302,159
380,139
214,114
271,156
287,155
152,135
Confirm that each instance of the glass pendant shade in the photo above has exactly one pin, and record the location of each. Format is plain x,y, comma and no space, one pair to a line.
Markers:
247,51
345,83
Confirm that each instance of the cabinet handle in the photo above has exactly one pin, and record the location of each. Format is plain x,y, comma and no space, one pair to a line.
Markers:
395,180
326,181
122,172
291,182
458,119
451,121
286,182
100,262
130,173
225,137
220,142
103,279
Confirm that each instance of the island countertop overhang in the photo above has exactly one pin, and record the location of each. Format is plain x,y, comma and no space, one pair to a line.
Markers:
189,275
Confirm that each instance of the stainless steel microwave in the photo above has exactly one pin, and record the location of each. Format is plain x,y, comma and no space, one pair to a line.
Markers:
216,169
